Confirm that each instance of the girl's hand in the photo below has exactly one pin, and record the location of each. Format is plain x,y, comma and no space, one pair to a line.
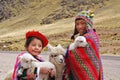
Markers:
45,70
31,76
51,72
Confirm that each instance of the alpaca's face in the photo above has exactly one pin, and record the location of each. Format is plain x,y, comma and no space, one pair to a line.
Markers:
26,60
56,59
56,54
25,63
80,41
60,59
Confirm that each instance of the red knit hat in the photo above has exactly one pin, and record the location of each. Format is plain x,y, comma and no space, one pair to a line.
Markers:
38,35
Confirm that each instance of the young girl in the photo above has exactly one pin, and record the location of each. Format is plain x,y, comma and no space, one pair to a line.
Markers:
35,42
84,63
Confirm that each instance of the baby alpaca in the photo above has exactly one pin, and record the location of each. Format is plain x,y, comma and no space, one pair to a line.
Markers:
27,61
80,41
56,56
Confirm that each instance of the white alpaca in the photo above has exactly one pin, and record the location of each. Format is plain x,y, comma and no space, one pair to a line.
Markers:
57,58
28,61
80,41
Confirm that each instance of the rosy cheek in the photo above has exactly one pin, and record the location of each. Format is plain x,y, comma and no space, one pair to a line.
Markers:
40,52
83,26
78,26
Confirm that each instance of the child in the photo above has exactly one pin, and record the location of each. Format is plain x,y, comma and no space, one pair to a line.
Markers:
35,42
84,63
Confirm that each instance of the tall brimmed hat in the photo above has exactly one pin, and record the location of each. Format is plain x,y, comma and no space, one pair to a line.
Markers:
38,35
87,16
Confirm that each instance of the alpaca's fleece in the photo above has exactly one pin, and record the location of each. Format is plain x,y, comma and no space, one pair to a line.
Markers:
27,61
80,41
56,56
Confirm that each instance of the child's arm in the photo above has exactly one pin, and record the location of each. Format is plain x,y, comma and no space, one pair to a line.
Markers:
34,72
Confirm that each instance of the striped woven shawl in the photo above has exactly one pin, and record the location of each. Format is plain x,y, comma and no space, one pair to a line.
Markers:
85,63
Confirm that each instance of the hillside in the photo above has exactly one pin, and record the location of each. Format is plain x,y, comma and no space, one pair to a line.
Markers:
54,9
39,17
107,22
39,12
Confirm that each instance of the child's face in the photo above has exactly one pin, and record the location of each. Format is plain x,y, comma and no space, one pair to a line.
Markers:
35,47
81,26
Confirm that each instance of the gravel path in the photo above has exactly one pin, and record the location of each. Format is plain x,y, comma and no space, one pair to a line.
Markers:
111,65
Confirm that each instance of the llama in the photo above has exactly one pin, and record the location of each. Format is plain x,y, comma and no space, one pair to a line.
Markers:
56,56
80,41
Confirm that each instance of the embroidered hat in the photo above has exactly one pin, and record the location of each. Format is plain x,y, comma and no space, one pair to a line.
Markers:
87,16
38,35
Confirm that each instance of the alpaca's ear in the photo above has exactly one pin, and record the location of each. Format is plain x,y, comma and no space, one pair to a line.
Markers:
50,47
59,46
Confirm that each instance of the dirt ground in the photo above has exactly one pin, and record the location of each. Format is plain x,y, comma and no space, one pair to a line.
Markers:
111,65
109,40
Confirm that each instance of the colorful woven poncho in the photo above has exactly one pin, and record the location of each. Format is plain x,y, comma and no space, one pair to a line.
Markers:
85,63
16,67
